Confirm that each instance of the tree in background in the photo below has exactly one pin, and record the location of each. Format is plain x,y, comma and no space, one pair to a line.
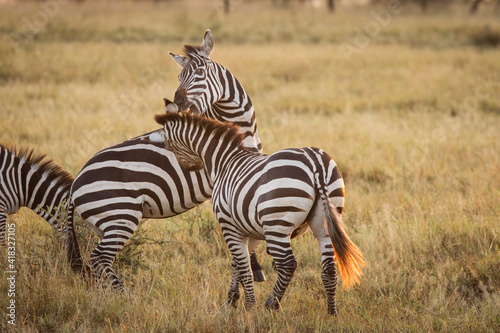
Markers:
424,4
331,5
475,6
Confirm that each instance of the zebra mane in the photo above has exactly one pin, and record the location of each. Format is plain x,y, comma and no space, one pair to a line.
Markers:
42,163
217,128
192,51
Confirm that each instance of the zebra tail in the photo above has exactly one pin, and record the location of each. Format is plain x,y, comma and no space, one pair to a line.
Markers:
348,256
72,248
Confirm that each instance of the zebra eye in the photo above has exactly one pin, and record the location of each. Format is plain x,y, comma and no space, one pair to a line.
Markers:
199,71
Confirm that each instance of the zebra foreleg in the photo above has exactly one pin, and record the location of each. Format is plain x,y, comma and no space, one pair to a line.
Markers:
241,273
286,264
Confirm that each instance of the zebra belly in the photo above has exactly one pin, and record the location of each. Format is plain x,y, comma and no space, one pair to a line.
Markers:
150,211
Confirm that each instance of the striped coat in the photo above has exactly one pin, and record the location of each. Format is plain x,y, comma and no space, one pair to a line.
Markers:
32,181
258,197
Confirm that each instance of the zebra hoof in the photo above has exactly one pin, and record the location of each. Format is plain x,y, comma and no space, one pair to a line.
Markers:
232,298
258,276
333,312
249,305
272,304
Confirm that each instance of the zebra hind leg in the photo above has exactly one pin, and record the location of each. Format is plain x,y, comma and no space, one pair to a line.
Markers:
328,269
103,256
234,289
329,278
286,264
241,273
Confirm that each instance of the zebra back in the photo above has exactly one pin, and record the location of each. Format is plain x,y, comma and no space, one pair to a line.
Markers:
137,175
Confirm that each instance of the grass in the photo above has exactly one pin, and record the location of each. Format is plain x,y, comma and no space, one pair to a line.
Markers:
412,120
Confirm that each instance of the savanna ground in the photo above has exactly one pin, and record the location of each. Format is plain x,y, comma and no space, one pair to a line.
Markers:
412,117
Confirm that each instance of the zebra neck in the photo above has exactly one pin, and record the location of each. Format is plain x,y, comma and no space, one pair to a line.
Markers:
216,154
235,106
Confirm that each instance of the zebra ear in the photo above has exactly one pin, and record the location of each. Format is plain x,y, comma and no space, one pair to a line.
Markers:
208,44
180,59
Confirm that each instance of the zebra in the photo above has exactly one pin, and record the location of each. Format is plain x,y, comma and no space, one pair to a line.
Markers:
208,88
265,197
136,179
33,181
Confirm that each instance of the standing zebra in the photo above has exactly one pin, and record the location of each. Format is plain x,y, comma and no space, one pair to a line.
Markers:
257,197
28,180
136,179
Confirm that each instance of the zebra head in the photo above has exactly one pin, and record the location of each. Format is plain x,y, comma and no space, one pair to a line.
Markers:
209,89
199,85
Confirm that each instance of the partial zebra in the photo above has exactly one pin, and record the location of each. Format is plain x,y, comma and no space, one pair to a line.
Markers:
136,179
257,197
208,88
29,180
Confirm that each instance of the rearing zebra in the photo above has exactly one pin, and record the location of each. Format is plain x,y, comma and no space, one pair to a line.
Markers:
29,180
136,179
257,197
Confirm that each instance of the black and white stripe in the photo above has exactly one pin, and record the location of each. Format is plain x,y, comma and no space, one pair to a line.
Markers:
257,197
208,88
136,179
29,180
123,184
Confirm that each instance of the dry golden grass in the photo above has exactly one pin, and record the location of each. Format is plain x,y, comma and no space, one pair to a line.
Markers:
412,121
